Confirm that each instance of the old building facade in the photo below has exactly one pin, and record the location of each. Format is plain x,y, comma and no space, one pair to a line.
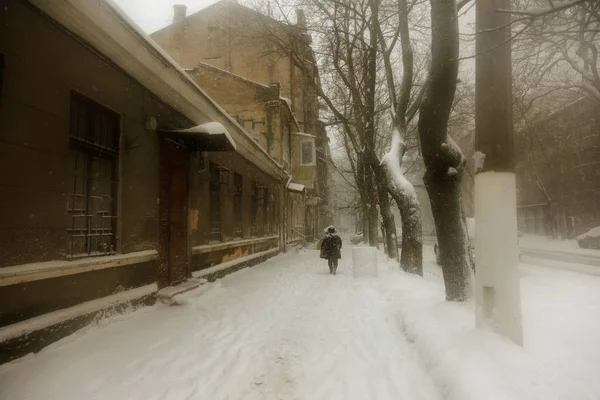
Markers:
119,175
233,38
268,117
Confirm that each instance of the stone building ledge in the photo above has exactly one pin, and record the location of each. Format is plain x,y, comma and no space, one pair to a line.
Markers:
208,272
207,248
58,317
52,269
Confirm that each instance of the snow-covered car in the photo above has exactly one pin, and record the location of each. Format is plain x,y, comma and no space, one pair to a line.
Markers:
590,239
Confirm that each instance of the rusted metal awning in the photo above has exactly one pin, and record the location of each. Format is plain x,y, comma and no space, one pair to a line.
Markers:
211,136
296,187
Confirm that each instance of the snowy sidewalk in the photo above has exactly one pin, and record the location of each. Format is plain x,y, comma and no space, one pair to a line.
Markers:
285,329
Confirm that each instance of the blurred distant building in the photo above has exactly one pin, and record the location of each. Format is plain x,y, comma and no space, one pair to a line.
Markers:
558,171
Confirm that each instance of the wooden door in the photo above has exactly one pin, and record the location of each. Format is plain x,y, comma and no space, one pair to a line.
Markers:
173,246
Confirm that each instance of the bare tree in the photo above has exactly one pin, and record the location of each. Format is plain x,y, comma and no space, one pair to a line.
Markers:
557,41
555,64
401,114
444,161
349,83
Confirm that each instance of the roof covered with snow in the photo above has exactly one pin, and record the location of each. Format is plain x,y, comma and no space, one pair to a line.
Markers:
228,73
296,187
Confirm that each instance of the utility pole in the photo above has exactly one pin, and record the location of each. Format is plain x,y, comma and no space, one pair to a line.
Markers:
497,294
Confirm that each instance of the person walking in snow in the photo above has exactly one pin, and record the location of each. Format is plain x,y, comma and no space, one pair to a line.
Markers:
330,249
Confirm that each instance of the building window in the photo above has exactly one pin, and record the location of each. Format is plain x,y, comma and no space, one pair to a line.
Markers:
309,156
254,210
238,187
274,219
92,201
1,73
266,212
215,203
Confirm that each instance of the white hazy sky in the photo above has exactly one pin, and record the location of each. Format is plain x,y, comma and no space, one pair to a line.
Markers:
152,15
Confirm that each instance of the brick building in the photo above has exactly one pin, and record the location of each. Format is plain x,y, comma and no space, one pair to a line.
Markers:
118,174
268,117
252,46
558,171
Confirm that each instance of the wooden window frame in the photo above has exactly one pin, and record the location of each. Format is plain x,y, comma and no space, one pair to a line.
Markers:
92,206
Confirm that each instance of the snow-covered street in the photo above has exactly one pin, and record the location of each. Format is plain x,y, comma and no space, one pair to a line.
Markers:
286,329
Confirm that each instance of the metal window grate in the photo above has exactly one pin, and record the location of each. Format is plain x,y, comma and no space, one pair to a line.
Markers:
266,208
92,201
254,210
215,204
238,187
274,219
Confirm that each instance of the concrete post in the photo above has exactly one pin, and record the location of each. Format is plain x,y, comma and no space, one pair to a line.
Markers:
496,245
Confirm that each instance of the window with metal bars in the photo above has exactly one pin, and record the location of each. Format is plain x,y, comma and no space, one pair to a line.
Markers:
238,190
215,203
254,210
266,212
93,185
273,215
1,74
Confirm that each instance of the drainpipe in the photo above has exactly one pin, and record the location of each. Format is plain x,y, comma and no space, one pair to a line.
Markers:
285,204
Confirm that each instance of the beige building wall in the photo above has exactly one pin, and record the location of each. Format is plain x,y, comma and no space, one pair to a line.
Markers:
258,108
239,40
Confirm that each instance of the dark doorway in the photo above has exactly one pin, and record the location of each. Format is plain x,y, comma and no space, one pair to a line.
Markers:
173,251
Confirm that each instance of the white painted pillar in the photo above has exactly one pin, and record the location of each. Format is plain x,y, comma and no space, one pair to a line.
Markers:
497,289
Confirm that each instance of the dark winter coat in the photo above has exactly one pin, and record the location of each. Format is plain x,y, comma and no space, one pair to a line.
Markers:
330,247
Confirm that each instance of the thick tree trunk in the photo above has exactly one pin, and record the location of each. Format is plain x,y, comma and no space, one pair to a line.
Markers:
389,225
365,224
411,258
372,213
361,184
373,222
444,161
444,194
373,227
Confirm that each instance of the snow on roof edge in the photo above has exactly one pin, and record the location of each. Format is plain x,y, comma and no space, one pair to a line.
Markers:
147,40
209,66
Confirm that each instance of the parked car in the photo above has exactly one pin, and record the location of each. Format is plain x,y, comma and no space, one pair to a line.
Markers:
590,239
